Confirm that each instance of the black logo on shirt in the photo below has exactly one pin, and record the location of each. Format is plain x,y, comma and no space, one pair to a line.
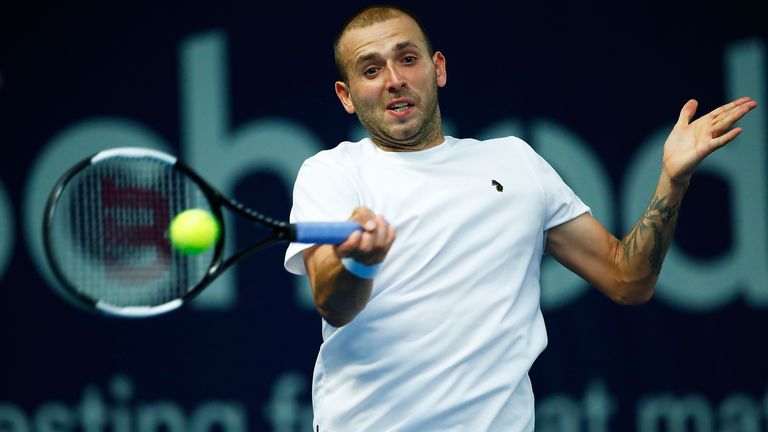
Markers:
497,185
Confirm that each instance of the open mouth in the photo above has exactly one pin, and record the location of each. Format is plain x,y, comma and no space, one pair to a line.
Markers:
400,105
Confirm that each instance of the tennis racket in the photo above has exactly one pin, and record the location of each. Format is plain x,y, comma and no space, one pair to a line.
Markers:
105,232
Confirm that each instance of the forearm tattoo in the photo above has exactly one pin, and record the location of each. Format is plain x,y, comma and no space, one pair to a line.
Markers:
659,221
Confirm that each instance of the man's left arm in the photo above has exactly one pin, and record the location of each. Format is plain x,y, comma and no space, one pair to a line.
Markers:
626,270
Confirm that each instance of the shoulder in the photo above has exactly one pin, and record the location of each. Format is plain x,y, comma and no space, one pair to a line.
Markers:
342,157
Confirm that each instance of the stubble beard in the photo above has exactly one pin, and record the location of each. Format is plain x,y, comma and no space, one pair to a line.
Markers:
428,129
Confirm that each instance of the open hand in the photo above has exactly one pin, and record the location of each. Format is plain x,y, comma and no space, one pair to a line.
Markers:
690,142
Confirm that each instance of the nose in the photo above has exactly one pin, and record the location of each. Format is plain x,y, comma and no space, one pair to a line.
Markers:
395,80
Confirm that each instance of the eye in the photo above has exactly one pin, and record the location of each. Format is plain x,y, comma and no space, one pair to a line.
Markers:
371,71
409,59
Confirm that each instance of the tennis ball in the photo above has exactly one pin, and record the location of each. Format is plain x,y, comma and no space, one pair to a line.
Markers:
194,231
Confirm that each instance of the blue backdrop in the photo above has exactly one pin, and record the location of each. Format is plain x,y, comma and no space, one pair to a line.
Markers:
244,92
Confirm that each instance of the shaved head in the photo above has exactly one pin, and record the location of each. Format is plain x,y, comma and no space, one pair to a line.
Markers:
367,17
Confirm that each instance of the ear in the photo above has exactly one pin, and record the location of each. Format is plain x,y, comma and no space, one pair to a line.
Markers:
442,75
342,91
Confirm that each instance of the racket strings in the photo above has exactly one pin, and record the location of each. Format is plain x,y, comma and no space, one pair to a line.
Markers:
109,233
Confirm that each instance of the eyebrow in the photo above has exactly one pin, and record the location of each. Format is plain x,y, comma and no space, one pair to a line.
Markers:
397,48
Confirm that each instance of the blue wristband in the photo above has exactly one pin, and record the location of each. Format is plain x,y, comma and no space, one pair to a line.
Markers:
359,269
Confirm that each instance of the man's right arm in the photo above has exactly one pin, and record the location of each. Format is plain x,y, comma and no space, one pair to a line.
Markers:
339,294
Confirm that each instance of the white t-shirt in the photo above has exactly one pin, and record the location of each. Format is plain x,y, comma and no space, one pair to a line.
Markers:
453,324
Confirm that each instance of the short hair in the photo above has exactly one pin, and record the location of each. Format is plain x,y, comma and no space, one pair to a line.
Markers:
369,16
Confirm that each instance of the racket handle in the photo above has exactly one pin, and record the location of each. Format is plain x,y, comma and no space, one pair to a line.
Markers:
324,232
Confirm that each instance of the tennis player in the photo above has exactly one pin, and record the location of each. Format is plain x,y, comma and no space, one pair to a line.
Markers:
431,317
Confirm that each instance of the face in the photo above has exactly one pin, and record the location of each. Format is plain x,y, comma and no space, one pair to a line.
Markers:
392,84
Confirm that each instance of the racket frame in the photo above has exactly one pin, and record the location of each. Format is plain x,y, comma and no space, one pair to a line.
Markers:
280,232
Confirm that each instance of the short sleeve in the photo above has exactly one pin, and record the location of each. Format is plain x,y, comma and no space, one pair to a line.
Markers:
562,204
323,192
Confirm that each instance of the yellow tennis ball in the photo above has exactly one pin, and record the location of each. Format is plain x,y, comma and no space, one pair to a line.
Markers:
194,231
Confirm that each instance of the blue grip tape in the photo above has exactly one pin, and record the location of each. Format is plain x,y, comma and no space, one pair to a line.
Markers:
324,232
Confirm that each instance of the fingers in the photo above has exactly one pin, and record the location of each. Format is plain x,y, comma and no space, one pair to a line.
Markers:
378,235
725,139
344,250
371,235
376,239
688,111
362,215
731,111
371,244
731,105
727,115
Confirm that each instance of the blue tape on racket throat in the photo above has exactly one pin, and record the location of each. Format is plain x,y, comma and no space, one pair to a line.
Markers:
359,269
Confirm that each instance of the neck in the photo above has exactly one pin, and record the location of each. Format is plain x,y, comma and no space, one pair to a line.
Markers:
431,136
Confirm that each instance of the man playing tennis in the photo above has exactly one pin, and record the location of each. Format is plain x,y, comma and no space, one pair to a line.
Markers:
437,331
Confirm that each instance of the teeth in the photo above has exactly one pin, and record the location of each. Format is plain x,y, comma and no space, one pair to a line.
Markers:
399,106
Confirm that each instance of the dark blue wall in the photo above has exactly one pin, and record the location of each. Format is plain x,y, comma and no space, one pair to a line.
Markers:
595,87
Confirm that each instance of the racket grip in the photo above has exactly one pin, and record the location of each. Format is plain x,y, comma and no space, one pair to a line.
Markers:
324,232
